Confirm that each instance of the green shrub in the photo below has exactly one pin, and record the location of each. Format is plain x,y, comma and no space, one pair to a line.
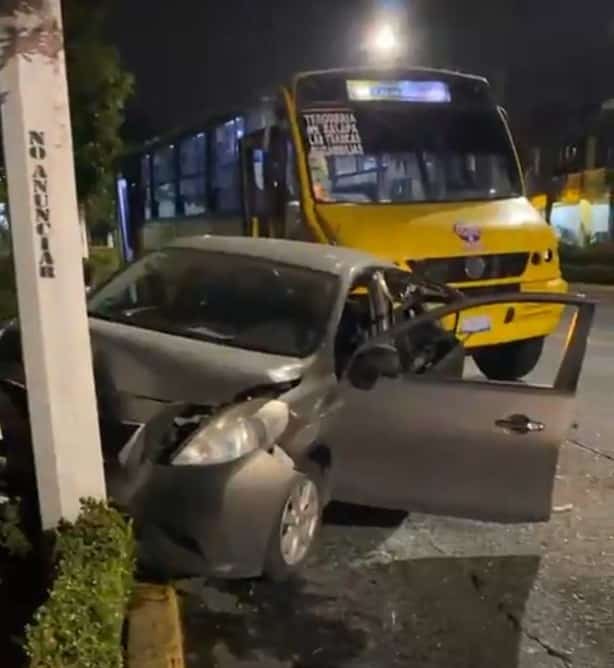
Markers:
8,304
80,625
104,262
12,536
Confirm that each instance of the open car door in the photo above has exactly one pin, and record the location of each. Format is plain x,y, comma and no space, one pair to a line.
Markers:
466,447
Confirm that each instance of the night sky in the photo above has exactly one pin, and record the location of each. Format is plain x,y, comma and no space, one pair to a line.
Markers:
192,58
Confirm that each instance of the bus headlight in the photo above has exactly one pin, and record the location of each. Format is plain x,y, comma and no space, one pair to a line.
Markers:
222,441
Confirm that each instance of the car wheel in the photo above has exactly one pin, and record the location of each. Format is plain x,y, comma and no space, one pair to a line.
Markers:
295,530
509,361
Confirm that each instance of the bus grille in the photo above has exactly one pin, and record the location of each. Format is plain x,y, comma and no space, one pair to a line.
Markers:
454,269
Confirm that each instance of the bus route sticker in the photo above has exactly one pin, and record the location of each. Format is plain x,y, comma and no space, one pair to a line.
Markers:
333,132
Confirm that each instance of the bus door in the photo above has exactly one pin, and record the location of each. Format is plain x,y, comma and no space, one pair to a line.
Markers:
256,212
270,198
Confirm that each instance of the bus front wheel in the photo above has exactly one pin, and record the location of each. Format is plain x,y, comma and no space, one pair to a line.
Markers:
509,361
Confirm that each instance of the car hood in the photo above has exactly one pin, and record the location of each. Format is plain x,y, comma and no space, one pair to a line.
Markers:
136,370
166,368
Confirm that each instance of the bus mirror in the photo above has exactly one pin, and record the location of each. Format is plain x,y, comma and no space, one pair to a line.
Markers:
503,111
293,220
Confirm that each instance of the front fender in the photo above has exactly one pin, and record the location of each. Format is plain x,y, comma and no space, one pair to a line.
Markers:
215,520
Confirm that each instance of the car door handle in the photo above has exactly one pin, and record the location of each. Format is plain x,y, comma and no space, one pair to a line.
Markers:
520,424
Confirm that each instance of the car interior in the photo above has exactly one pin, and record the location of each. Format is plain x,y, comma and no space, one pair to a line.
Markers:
427,348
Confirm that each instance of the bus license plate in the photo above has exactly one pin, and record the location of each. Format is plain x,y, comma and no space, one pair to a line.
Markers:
475,325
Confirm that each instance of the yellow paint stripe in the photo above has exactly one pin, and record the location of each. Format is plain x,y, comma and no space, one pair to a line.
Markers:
154,629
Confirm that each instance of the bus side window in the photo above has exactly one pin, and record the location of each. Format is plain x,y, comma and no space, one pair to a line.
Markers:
226,183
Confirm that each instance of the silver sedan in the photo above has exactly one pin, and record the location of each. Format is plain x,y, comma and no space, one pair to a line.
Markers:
245,383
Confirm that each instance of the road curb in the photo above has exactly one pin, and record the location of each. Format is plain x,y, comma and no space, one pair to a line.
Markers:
155,639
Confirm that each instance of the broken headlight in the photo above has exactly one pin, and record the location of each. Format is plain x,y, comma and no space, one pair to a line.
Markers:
234,434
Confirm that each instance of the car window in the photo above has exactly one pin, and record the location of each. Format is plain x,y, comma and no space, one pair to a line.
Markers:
354,325
359,322
460,345
231,300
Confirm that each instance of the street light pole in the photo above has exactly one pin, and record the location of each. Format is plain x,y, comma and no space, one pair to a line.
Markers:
47,252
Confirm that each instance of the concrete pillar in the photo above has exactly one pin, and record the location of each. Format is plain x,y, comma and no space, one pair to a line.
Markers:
47,249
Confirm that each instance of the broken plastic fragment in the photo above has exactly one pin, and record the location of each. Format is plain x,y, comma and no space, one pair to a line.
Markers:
563,509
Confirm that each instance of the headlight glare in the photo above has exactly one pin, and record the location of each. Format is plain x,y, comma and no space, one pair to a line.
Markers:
215,445
225,440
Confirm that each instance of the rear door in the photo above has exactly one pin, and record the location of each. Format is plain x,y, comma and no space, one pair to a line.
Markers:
464,447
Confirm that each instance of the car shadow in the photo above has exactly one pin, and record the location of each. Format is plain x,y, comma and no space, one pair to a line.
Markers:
259,623
433,613
345,514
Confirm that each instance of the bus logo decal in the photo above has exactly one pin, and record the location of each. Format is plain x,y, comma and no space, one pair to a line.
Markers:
470,234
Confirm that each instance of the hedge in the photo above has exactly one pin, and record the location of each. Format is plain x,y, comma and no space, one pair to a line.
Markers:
12,536
81,624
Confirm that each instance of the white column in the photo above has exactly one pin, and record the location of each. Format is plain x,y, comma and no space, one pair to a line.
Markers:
47,249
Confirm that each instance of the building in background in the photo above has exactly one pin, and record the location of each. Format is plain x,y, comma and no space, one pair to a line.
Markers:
570,170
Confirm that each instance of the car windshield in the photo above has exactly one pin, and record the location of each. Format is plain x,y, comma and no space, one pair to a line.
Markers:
402,153
231,300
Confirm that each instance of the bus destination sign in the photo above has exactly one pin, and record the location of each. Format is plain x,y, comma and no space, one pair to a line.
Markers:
399,91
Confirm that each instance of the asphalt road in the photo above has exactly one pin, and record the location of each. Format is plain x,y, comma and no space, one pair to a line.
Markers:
389,590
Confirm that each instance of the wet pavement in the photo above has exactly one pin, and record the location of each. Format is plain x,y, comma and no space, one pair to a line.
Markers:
386,589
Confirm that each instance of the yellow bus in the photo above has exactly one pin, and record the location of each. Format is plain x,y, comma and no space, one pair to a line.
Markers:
414,165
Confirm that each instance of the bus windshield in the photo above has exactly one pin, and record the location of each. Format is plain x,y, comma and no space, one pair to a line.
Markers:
403,153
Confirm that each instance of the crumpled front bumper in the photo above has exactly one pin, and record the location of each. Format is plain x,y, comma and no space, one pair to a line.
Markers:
205,520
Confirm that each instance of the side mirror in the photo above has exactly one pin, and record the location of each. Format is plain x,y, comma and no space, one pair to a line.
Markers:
293,220
503,111
369,366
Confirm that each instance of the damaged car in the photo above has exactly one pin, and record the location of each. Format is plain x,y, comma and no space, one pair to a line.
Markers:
245,383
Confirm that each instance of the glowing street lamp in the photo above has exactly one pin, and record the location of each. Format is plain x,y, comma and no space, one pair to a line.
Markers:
384,44
385,40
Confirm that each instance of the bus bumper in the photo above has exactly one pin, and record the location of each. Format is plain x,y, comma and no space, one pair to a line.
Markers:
515,322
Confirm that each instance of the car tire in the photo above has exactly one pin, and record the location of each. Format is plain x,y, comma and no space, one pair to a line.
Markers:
509,361
284,557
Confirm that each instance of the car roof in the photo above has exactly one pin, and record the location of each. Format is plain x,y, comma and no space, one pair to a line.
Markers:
320,257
